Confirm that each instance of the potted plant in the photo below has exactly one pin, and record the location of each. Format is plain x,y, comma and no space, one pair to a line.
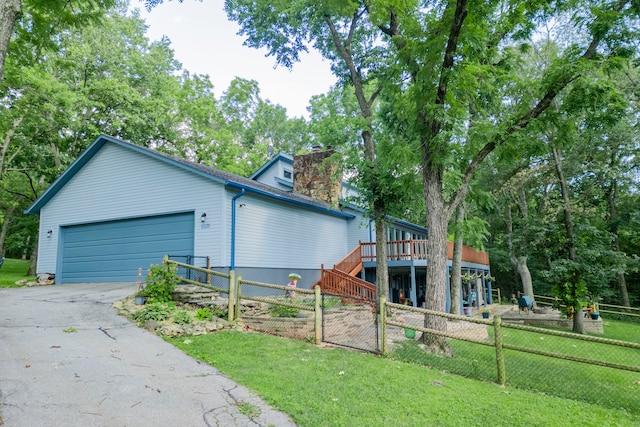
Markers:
594,312
467,310
140,297
485,313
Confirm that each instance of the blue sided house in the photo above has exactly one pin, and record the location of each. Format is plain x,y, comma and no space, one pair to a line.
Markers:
121,207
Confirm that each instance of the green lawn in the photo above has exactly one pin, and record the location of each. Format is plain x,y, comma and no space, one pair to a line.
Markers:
13,270
617,389
336,387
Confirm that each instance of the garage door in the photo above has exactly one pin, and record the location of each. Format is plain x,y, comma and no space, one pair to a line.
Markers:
113,251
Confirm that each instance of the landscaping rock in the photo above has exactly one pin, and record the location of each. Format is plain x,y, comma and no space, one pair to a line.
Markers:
199,330
151,325
171,331
210,326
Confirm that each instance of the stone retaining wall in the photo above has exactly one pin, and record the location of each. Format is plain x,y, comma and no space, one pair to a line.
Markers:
300,328
591,326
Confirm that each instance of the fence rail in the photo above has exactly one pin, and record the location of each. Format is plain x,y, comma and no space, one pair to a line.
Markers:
619,310
491,350
520,348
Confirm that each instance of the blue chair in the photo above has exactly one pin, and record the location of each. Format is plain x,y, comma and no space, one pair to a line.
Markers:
1,261
525,303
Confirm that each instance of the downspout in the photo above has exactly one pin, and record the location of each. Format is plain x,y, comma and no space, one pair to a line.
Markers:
233,228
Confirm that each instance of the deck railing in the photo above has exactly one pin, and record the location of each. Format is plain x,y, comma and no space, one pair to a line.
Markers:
410,250
339,279
350,263
337,282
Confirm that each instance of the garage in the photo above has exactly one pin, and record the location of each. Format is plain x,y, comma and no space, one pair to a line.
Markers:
113,251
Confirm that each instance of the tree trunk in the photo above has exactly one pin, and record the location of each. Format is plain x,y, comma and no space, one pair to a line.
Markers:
624,293
578,323
369,150
519,262
525,276
8,214
436,286
9,10
33,261
382,273
456,262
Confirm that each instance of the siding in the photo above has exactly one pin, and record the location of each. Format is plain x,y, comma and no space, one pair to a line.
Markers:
276,170
118,183
272,234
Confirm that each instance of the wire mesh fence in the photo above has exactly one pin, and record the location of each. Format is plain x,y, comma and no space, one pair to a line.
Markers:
500,349
188,261
572,366
350,322
277,310
581,367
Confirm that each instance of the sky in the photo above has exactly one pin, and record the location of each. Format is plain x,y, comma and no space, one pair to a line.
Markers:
205,42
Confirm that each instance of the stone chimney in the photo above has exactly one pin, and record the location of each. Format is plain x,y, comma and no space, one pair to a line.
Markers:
317,176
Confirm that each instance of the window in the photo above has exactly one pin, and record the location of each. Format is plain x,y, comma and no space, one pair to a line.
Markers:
287,174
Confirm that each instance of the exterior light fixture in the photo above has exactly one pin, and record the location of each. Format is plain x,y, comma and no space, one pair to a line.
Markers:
203,217
49,234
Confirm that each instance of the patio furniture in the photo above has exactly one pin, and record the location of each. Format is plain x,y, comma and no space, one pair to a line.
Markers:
525,303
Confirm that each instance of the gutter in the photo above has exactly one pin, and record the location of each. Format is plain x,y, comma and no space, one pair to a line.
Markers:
233,228
324,210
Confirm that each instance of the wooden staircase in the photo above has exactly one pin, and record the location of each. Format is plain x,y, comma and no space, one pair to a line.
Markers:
342,280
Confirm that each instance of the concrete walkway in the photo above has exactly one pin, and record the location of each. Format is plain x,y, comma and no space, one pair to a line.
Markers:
105,371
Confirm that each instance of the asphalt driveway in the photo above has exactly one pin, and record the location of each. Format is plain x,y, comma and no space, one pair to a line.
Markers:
105,371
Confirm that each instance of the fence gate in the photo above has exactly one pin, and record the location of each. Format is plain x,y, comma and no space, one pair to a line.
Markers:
350,322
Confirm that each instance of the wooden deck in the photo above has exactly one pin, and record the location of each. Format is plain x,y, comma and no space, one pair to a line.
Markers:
341,279
412,250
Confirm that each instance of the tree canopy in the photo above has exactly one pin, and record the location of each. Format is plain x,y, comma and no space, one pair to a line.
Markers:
524,111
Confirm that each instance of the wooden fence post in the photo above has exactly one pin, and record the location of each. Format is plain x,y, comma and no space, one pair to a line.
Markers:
383,324
238,288
208,268
497,321
232,296
318,315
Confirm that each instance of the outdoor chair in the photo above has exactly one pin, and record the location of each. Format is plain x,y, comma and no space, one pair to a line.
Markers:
525,303
1,261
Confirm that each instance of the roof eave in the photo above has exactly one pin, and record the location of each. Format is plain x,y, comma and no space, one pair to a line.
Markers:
326,211
91,151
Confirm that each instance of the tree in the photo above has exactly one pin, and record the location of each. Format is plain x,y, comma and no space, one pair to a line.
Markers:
9,10
41,18
447,70
341,33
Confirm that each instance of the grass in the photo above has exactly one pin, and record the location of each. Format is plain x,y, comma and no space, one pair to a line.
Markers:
336,387
599,385
13,270
622,330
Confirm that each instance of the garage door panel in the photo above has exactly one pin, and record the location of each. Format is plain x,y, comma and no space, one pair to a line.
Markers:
113,251
112,248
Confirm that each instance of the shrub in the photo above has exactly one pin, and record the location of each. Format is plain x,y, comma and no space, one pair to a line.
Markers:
160,283
182,317
283,311
204,314
154,311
